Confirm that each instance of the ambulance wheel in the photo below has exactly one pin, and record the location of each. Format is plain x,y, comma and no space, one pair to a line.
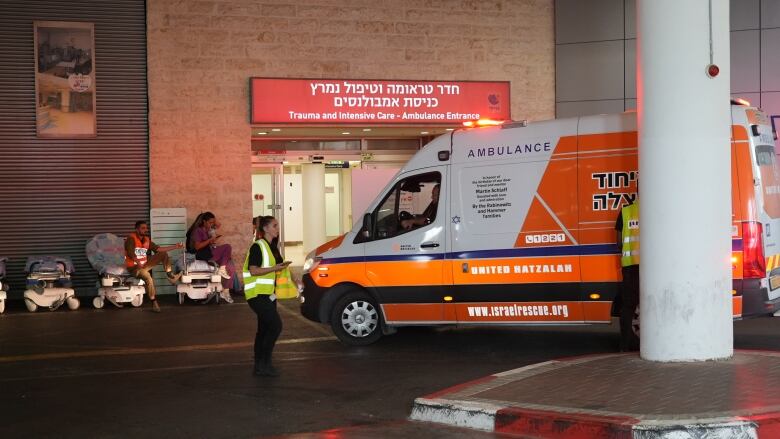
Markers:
355,319
181,298
31,306
137,301
2,306
73,303
98,302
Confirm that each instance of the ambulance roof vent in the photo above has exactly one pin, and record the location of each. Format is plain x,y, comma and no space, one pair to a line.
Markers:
516,124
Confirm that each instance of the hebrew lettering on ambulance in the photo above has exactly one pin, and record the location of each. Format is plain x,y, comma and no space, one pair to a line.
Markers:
614,200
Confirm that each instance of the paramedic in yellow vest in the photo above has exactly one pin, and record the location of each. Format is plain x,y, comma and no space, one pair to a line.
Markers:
260,270
627,227
139,259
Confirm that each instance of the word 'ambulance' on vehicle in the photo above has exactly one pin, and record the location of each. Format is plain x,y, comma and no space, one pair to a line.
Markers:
515,225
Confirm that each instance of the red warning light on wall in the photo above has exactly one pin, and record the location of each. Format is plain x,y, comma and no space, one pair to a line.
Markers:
713,70
259,197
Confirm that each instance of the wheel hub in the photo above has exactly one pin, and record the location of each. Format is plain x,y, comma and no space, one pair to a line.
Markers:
359,319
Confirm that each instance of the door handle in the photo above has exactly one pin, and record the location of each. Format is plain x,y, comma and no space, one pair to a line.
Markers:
429,245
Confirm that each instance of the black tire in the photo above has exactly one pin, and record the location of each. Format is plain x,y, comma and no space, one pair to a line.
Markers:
635,329
356,319
630,341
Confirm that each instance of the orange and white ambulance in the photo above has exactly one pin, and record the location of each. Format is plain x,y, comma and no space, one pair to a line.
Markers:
515,225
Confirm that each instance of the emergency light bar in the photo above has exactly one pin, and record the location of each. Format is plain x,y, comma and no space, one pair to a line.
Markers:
482,123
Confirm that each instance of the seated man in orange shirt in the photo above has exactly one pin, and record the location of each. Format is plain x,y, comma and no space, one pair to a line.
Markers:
139,261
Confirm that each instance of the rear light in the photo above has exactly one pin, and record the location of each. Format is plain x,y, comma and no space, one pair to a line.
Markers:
753,262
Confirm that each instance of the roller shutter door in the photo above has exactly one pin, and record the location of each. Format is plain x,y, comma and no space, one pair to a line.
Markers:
57,193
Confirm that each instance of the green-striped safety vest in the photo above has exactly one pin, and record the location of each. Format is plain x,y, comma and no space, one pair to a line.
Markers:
630,233
256,285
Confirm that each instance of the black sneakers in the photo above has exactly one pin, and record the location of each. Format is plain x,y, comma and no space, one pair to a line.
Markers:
265,371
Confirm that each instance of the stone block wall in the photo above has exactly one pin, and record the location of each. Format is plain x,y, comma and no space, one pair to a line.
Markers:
202,53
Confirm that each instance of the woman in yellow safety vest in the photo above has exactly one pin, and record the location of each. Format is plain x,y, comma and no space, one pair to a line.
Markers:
260,269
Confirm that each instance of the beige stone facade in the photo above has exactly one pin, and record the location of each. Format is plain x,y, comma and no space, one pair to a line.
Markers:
202,53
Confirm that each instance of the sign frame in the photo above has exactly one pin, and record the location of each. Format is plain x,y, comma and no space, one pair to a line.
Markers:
504,102
65,76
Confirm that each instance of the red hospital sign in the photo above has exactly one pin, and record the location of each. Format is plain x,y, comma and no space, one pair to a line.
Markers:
348,101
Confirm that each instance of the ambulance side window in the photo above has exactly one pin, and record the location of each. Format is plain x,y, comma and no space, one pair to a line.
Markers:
386,222
411,204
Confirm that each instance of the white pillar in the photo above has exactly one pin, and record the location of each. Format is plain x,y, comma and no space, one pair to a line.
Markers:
313,209
684,171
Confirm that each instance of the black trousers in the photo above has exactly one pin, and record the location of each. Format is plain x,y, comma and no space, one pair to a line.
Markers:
269,326
629,291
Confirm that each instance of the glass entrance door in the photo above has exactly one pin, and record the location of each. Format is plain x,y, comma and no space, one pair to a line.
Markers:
267,193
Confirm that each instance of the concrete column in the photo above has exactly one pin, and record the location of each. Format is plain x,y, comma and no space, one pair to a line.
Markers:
313,209
684,168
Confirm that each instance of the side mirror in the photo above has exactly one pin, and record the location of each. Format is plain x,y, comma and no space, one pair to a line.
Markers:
366,230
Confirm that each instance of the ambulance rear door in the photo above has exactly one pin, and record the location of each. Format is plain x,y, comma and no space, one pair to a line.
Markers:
608,179
514,212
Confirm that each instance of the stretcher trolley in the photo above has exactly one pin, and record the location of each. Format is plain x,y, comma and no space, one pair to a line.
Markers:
106,254
49,283
3,285
200,280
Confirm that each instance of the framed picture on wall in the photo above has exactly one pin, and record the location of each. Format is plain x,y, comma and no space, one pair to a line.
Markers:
65,79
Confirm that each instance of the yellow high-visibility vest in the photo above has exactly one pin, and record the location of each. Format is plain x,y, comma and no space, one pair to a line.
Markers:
256,285
630,235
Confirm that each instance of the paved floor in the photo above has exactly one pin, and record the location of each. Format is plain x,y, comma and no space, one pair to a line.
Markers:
625,385
618,395
186,372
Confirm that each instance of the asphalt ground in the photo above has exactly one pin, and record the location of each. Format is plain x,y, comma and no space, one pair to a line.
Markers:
186,372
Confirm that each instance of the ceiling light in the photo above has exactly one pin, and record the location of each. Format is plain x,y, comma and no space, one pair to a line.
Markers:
346,132
423,132
366,129
276,130
450,129
261,133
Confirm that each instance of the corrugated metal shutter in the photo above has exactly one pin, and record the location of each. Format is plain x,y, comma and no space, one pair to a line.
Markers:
57,193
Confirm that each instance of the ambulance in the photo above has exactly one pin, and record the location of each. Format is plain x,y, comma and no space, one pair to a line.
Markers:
515,225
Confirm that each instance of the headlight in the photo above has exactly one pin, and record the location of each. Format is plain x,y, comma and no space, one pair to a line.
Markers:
310,262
